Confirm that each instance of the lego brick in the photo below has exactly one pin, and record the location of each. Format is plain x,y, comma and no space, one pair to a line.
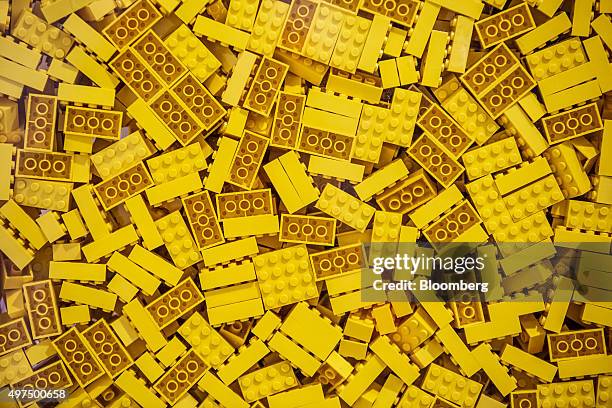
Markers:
596,315
136,275
103,342
144,223
248,159
181,122
15,366
295,172
131,24
548,193
328,144
138,391
123,186
332,103
213,348
321,39
222,33
406,69
230,251
89,37
529,137
20,336
407,194
156,265
255,385
269,17
75,314
472,8
433,60
430,155
25,225
492,367
597,55
122,288
422,29
576,344
219,170
40,122
121,155
381,179
42,36
172,189
220,392
176,382
19,53
392,357
178,240
545,63
45,165
458,350
307,229
14,249
301,317
372,48
493,30
241,310
345,208
287,118
362,379
573,123
225,276
51,227
87,296
462,28
588,216
239,364
528,363
183,297
486,160
566,79
530,104
544,33
389,74
573,180
151,124
85,63
463,108
90,122
335,169
144,323
23,75
112,242
79,359
582,392
346,86
238,80
257,225
186,47
43,313
87,95
572,96
149,367
77,271
331,122
203,220
292,352
578,368
402,14
603,27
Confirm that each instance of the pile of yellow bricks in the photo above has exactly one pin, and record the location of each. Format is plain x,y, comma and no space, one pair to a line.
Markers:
186,188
